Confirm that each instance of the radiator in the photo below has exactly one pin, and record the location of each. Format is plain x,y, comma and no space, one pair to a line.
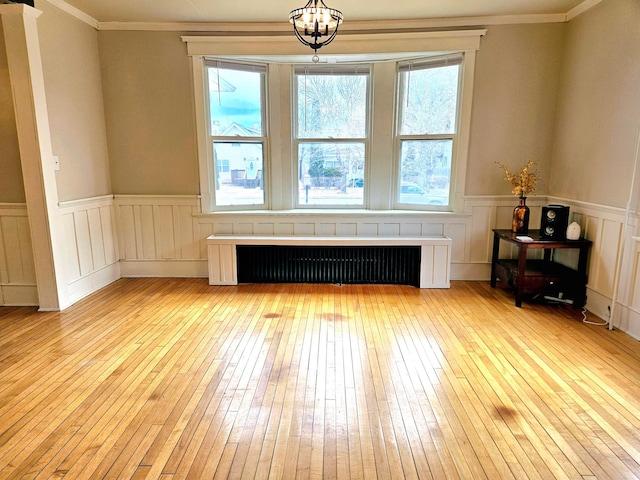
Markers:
332,264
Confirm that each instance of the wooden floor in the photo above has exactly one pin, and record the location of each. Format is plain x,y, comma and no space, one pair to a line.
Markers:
172,378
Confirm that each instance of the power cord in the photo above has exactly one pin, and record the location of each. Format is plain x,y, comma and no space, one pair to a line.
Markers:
553,301
584,320
588,322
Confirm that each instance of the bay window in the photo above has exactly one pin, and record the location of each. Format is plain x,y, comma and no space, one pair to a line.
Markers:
384,124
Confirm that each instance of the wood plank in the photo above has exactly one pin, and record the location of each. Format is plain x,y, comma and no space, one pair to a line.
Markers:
173,378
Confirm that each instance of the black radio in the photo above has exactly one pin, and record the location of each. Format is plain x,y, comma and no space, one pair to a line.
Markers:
554,222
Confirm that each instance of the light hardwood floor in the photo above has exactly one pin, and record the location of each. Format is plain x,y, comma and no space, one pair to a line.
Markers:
172,378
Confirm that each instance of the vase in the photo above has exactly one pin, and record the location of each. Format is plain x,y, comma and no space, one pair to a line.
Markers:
520,222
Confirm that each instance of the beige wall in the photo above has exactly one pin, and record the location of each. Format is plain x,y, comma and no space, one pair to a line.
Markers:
150,118
148,95
575,84
71,69
514,104
599,109
11,184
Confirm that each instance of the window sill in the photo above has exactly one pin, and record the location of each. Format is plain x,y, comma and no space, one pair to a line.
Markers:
334,213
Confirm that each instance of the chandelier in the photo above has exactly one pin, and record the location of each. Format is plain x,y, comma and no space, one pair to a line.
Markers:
315,24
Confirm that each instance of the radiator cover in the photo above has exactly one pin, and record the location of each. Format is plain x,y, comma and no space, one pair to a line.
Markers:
334,264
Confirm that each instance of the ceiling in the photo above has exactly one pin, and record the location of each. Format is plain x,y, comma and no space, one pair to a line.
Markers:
278,10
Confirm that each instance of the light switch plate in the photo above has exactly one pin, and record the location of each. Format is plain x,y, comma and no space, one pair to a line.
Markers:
56,162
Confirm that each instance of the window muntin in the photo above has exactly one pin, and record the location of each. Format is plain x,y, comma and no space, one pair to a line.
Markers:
237,132
427,129
331,125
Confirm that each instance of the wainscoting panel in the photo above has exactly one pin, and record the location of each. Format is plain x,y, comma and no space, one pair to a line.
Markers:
479,229
634,284
161,236
604,226
17,272
627,311
604,257
457,231
91,246
166,236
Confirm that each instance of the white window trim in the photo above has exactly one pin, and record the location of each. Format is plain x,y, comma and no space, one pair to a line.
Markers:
264,139
454,136
296,140
465,41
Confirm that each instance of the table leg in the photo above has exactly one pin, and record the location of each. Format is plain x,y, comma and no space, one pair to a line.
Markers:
494,258
522,268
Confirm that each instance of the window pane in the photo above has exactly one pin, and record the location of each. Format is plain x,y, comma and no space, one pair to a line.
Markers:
331,173
425,171
235,100
332,106
238,173
429,100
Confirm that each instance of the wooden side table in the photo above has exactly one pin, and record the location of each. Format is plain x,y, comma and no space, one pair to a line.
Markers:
543,276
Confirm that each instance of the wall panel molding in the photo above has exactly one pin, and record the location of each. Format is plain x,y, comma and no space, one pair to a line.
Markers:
166,236
91,247
161,236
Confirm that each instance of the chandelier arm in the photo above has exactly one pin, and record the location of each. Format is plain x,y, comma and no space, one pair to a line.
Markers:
315,45
306,28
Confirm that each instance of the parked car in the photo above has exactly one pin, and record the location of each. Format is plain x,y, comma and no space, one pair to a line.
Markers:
414,193
411,189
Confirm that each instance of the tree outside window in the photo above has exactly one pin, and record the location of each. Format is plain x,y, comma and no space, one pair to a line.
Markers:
427,128
331,129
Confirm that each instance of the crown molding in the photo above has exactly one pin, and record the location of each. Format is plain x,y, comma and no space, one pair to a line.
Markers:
581,8
353,26
74,12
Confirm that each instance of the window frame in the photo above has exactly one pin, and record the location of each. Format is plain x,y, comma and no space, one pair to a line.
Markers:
280,53
423,63
263,139
296,140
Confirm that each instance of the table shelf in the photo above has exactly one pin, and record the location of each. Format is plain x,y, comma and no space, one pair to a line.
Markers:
540,277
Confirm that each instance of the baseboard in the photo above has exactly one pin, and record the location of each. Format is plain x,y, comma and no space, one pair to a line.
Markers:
19,295
471,271
627,320
598,304
164,268
93,282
